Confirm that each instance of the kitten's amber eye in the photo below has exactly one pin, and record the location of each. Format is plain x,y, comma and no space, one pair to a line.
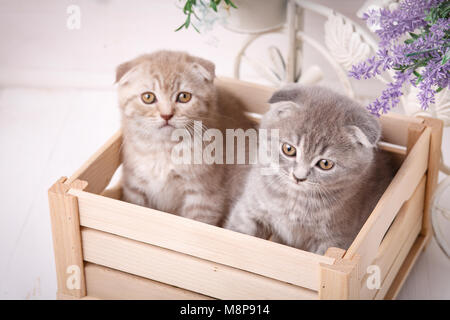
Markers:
325,164
184,97
148,97
288,150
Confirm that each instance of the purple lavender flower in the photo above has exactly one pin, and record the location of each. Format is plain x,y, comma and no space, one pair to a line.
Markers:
422,60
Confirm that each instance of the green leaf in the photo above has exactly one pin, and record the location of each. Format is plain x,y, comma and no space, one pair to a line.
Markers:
188,21
413,35
195,28
230,3
187,7
213,5
180,27
446,57
400,68
409,41
419,79
195,15
189,10
434,16
439,89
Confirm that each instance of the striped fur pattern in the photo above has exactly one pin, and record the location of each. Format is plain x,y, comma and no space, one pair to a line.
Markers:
327,208
150,177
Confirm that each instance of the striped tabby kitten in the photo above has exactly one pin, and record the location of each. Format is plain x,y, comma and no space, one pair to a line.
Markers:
160,92
330,173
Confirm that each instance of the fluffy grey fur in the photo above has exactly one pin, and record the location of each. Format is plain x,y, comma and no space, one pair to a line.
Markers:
303,205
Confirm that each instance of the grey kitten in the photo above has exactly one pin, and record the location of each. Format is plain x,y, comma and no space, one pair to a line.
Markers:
330,173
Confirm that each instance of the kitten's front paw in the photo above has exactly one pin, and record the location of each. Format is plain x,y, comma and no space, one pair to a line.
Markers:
211,219
203,213
243,224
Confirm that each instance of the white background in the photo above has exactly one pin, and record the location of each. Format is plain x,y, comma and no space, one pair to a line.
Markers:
58,105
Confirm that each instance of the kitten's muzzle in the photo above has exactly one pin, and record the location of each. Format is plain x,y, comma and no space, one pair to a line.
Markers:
167,117
297,179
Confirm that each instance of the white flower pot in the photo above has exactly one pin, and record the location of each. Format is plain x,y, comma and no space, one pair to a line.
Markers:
254,16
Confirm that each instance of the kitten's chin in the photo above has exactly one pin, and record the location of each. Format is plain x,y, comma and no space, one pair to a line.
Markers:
166,128
163,132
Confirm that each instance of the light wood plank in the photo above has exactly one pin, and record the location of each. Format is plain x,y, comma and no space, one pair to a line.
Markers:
340,280
201,240
406,267
436,126
400,189
399,261
408,217
391,148
67,239
183,271
401,228
253,96
107,283
414,132
395,128
100,168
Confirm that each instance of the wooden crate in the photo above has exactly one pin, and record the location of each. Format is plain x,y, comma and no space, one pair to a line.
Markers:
109,249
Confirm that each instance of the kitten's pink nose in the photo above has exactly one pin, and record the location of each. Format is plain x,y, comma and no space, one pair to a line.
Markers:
167,117
297,179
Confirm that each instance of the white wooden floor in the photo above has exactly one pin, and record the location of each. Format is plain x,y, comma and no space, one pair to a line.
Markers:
45,134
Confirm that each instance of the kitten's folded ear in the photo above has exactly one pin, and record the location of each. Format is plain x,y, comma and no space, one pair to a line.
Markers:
282,103
205,68
366,131
282,109
124,68
290,92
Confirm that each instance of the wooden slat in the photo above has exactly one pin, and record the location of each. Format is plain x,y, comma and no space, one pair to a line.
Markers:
391,148
406,267
100,168
67,239
407,218
395,127
200,240
107,283
414,132
400,189
399,261
183,271
436,126
340,280
253,96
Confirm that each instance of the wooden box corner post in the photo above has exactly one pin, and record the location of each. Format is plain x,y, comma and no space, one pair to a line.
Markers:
339,281
65,222
434,160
